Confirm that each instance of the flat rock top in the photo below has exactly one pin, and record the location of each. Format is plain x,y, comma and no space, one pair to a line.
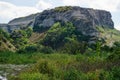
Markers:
84,19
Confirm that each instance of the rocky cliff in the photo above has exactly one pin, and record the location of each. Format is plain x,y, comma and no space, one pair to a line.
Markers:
18,23
84,19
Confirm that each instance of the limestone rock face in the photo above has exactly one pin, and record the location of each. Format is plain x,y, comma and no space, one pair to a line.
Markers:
84,19
18,23
4,27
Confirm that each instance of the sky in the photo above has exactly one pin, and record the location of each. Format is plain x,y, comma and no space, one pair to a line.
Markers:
10,9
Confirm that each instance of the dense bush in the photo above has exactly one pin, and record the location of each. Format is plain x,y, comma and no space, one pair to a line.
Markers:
74,47
40,28
20,38
28,49
116,73
46,50
74,74
115,56
57,33
4,34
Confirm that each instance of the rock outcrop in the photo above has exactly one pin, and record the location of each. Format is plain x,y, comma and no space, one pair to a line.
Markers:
84,19
18,23
4,27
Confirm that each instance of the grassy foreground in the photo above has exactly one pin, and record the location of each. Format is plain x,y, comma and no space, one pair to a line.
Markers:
58,66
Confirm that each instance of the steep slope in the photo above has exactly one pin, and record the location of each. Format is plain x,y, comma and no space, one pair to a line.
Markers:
87,22
36,37
109,35
84,19
18,23
5,43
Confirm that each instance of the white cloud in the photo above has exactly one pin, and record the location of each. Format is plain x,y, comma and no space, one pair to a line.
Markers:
118,26
42,5
110,5
71,2
9,11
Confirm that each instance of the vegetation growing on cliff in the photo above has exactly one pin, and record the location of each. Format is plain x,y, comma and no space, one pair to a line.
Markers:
63,9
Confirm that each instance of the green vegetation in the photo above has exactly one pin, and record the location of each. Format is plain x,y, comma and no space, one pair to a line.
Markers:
5,43
64,66
60,53
58,66
57,34
109,35
63,9
20,38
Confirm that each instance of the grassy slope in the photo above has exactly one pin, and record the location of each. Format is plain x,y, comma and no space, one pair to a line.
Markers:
109,35
6,44
36,37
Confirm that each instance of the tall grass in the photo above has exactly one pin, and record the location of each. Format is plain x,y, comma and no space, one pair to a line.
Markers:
59,66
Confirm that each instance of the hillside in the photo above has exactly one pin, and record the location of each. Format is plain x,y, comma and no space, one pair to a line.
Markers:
55,26
5,43
64,43
19,23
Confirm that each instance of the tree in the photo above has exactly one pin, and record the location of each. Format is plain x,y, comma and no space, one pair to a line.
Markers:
29,32
57,33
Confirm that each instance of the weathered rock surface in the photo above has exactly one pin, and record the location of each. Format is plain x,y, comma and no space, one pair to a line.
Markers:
18,23
84,19
4,27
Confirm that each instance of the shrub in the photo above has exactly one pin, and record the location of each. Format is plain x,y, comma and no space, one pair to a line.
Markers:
115,55
100,75
57,33
62,9
116,73
46,50
29,32
74,47
45,68
73,74
32,76
31,48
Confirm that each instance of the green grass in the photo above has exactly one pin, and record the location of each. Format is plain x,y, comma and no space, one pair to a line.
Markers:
58,66
110,35
8,57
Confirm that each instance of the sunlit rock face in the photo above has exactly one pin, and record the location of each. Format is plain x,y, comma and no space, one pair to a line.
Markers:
19,23
84,19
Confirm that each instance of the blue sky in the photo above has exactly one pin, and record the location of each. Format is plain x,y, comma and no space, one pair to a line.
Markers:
10,9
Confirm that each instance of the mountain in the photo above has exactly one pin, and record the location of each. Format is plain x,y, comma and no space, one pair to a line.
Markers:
18,23
57,26
84,19
89,22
